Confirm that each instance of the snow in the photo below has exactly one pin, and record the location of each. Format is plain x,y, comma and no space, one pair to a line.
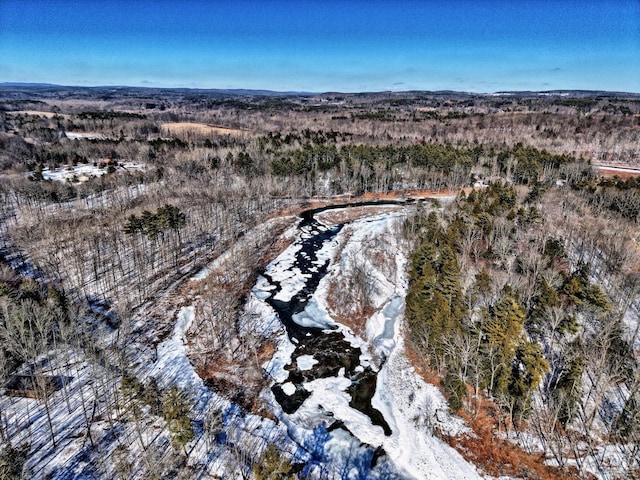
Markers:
313,316
281,358
248,239
306,362
617,169
288,388
631,320
262,288
291,279
258,316
172,361
63,174
328,394
85,136
411,407
381,328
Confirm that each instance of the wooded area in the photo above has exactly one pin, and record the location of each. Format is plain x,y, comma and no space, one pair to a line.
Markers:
523,278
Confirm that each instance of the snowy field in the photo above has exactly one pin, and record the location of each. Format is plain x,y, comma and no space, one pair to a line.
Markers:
85,136
83,172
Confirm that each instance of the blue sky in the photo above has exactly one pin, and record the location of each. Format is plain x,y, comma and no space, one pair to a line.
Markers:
324,45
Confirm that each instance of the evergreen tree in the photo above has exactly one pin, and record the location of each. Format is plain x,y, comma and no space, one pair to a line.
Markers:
528,368
502,332
151,224
449,277
152,397
271,466
175,409
456,390
545,298
566,390
132,391
12,462
134,225
482,284
627,425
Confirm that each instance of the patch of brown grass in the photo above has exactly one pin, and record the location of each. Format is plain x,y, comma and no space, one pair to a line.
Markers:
240,378
615,172
355,320
341,306
201,128
422,367
497,456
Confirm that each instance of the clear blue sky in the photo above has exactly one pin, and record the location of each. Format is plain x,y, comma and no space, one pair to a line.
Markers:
324,45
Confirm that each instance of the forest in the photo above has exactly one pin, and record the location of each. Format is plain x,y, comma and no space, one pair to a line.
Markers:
485,246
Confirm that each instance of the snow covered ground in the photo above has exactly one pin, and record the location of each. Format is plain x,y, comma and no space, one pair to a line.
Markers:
85,136
79,172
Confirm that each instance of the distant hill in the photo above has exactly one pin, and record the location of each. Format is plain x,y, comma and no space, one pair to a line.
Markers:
26,84
242,92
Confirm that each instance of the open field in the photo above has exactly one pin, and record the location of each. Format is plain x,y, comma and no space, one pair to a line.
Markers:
615,171
200,128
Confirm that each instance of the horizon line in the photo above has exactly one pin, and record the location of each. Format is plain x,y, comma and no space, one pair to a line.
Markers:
265,91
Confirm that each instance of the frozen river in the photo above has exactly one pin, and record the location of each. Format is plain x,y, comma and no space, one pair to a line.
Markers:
353,403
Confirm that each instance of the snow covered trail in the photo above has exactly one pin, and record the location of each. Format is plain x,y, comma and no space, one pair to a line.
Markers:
316,382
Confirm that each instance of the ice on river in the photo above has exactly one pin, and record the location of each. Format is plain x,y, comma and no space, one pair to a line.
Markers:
283,269
329,395
289,388
306,362
313,316
281,358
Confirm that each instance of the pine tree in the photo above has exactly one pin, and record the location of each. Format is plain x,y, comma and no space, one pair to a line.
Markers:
271,466
132,391
449,277
505,325
134,225
175,409
12,462
481,290
566,391
502,332
151,396
544,299
627,426
528,368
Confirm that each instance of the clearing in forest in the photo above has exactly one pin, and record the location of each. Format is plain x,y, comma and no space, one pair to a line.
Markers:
202,128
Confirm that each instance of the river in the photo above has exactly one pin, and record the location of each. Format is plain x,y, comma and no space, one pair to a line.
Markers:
355,405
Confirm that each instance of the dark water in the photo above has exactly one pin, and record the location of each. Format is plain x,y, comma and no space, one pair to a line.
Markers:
328,347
